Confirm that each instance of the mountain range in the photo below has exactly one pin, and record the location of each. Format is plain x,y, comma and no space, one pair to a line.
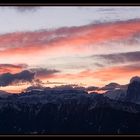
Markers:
68,110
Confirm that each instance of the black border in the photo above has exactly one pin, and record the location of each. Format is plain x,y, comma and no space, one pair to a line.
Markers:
95,3
69,4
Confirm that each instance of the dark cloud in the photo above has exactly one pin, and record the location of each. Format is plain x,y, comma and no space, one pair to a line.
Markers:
13,66
63,87
119,57
26,8
56,83
99,65
132,40
69,87
40,72
23,76
33,88
107,9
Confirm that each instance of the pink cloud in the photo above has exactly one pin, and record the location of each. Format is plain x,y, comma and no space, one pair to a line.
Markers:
76,39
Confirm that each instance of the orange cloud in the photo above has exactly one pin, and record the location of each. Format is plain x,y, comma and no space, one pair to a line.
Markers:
116,73
11,68
120,74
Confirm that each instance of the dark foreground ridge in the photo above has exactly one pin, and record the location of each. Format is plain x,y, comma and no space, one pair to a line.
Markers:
53,111
71,111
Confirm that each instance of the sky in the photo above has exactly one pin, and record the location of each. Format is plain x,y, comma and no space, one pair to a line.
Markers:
87,46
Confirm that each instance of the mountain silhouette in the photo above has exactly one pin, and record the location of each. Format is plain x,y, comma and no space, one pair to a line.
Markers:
133,91
67,110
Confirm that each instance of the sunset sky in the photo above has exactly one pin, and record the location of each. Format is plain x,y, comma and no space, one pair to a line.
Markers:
88,46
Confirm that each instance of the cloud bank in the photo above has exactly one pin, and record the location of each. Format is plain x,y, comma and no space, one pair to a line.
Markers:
43,72
74,38
119,57
12,68
8,78
26,8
